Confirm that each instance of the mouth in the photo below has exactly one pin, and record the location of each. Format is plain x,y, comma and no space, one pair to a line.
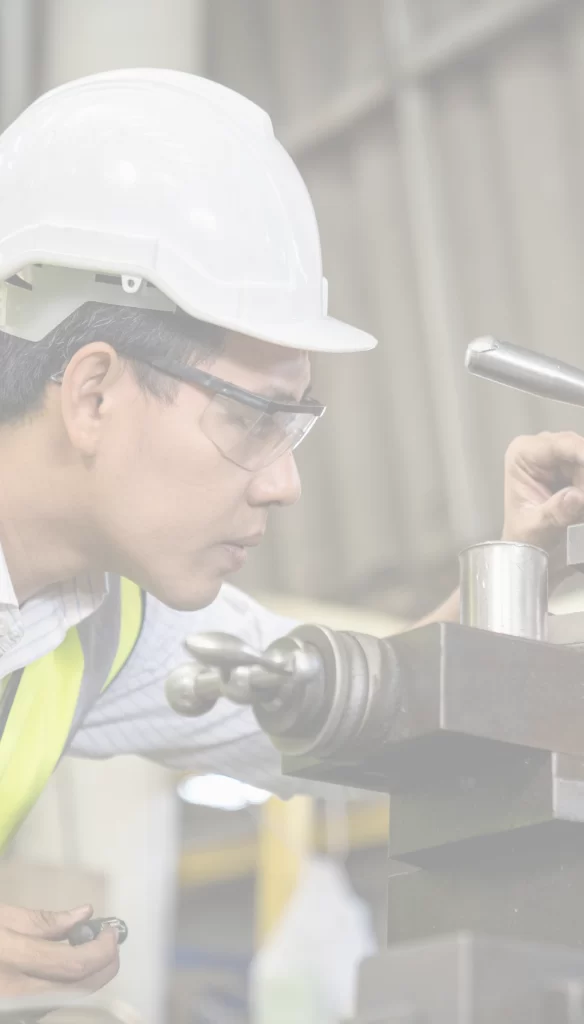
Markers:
251,541
236,551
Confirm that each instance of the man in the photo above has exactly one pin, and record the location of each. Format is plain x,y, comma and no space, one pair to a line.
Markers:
161,288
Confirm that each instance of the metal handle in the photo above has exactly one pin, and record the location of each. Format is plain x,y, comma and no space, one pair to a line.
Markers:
227,666
226,652
527,371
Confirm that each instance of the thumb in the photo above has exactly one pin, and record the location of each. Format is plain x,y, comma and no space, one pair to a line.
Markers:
43,924
563,508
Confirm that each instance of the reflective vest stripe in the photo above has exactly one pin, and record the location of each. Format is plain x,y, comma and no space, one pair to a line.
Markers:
44,708
131,619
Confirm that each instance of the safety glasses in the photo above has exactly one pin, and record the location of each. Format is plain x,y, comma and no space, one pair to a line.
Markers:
248,429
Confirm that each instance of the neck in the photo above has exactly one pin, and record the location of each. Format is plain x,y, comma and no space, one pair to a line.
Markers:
44,509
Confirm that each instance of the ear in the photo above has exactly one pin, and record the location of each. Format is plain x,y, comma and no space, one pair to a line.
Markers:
92,385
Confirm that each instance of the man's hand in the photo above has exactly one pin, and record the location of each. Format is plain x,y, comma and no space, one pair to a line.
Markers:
544,493
35,960
544,487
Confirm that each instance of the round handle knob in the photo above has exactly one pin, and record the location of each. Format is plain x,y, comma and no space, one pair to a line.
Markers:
193,691
227,666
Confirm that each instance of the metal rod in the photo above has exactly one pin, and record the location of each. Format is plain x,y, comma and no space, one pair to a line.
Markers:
519,368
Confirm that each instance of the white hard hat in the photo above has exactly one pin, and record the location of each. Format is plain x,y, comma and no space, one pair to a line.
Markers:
158,189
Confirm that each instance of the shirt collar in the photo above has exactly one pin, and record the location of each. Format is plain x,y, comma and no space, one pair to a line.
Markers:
7,594
81,595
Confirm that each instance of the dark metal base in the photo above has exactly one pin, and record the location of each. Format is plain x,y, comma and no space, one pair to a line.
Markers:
472,979
469,699
530,891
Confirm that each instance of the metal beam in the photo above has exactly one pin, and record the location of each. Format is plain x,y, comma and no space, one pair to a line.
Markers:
471,33
461,38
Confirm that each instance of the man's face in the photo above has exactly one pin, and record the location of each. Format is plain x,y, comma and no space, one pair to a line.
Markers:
172,512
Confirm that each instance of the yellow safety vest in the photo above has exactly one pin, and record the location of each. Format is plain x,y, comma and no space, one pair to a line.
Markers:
42,714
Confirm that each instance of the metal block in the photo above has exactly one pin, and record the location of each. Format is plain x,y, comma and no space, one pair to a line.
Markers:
530,887
525,790
468,698
506,855
575,545
470,979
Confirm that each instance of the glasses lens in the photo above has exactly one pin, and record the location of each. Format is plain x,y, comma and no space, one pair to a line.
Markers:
250,438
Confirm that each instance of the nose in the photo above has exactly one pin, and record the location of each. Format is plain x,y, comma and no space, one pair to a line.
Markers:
278,484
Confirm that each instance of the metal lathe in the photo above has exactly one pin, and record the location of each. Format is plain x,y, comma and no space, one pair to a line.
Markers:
477,731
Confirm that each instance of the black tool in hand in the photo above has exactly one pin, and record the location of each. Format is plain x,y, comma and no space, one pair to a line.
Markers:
88,930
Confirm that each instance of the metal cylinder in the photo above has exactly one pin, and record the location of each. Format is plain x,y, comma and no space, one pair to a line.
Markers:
504,588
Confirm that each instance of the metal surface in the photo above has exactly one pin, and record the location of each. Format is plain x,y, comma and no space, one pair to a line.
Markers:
527,891
315,692
422,706
191,691
501,852
574,546
526,371
564,560
504,588
228,667
226,652
347,709
479,738
464,979
465,697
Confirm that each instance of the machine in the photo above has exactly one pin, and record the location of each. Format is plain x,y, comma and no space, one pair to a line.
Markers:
476,730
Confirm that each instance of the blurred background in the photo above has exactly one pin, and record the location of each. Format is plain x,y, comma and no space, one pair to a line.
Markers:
443,144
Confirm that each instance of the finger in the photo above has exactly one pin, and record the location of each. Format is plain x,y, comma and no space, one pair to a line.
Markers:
96,981
14,984
54,961
547,449
45,924
563,508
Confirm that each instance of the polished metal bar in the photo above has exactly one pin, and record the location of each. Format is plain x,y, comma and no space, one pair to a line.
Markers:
525,370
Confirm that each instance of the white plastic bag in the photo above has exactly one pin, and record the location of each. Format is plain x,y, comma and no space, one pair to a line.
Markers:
307,971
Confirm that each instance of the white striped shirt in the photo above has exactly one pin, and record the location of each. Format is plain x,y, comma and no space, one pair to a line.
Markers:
132,716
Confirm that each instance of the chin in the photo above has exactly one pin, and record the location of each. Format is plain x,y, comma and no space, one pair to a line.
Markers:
186,595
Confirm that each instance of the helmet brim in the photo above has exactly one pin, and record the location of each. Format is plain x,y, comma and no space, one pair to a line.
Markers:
325,334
